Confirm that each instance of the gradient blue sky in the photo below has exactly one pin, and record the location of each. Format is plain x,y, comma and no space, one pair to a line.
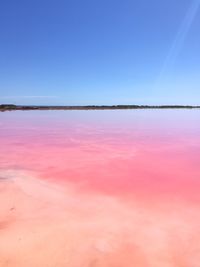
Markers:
100,52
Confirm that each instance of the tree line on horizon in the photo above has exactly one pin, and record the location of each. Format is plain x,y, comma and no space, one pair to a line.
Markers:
10,107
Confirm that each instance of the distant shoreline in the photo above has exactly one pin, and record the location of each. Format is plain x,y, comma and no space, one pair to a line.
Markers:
10,107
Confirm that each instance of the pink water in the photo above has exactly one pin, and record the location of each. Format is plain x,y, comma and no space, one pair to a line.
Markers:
100,188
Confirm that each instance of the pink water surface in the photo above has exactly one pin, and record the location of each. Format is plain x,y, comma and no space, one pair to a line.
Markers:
129,181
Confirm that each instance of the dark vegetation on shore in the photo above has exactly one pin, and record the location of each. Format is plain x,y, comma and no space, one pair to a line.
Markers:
10,107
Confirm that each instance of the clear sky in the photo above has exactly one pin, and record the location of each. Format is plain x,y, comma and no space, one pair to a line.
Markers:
100,52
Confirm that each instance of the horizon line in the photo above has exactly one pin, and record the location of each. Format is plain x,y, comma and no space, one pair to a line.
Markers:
13,107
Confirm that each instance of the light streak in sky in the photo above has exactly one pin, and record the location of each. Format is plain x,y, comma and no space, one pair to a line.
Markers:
179,39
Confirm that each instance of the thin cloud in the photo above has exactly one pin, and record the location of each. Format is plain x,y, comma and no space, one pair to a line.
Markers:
28,96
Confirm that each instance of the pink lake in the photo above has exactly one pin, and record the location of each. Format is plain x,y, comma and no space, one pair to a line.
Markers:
100,188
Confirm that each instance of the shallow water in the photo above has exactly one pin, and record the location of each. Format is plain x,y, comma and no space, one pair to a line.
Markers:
100,188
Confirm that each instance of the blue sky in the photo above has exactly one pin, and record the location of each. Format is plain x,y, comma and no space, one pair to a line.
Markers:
100,52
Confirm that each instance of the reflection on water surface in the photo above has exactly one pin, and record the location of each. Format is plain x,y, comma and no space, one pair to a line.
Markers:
100,188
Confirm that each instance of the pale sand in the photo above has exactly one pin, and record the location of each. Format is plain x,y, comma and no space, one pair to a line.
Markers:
47,225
